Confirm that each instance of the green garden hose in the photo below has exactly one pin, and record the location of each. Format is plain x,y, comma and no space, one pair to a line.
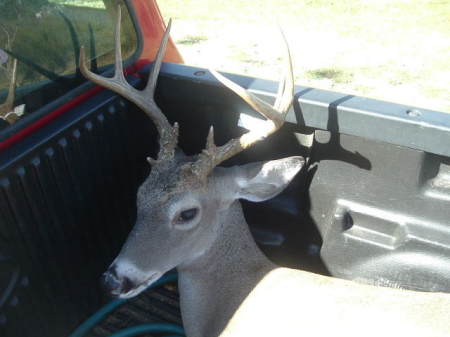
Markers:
99,315
149,328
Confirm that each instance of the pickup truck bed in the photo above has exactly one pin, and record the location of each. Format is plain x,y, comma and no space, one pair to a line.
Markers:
373,204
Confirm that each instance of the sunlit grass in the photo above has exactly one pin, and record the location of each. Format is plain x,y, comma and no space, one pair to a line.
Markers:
397,50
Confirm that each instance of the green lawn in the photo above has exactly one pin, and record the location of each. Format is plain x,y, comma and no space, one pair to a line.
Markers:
44,37
396,50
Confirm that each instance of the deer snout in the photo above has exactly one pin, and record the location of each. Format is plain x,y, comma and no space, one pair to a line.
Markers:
114,284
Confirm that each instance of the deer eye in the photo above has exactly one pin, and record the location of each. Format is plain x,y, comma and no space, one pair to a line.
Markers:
187,215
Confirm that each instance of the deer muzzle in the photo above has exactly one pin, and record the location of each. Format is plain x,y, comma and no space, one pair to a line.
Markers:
125,281
116,285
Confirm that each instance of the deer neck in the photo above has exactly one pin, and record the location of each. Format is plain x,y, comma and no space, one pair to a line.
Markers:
214,284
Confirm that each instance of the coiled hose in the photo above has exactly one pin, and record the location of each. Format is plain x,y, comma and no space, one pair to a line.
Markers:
137,330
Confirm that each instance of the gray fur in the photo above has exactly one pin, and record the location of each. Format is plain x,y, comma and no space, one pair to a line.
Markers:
229,288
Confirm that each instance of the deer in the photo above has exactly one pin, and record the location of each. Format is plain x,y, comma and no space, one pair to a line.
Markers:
189,217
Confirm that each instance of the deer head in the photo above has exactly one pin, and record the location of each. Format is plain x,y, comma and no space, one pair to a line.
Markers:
180,202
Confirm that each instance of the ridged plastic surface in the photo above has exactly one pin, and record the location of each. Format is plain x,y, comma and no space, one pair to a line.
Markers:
65,211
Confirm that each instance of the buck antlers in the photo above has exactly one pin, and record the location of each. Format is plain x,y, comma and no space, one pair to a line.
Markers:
144,99
212,155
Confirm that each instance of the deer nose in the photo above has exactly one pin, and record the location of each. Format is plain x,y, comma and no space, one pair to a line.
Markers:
114,284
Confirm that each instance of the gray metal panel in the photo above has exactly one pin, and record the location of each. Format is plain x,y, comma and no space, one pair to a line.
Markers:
396,124
373,119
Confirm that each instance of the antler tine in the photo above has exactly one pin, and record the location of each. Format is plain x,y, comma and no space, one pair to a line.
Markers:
151,84
287,81
144,99
275,115
8,106
118,66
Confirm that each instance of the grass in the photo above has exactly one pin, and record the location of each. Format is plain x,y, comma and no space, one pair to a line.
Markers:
51,28
335,74
396,50
192,39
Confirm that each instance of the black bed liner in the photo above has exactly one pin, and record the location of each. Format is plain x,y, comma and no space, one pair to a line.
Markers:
159,305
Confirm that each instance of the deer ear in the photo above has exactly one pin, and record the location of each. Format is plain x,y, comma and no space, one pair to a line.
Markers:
264,180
